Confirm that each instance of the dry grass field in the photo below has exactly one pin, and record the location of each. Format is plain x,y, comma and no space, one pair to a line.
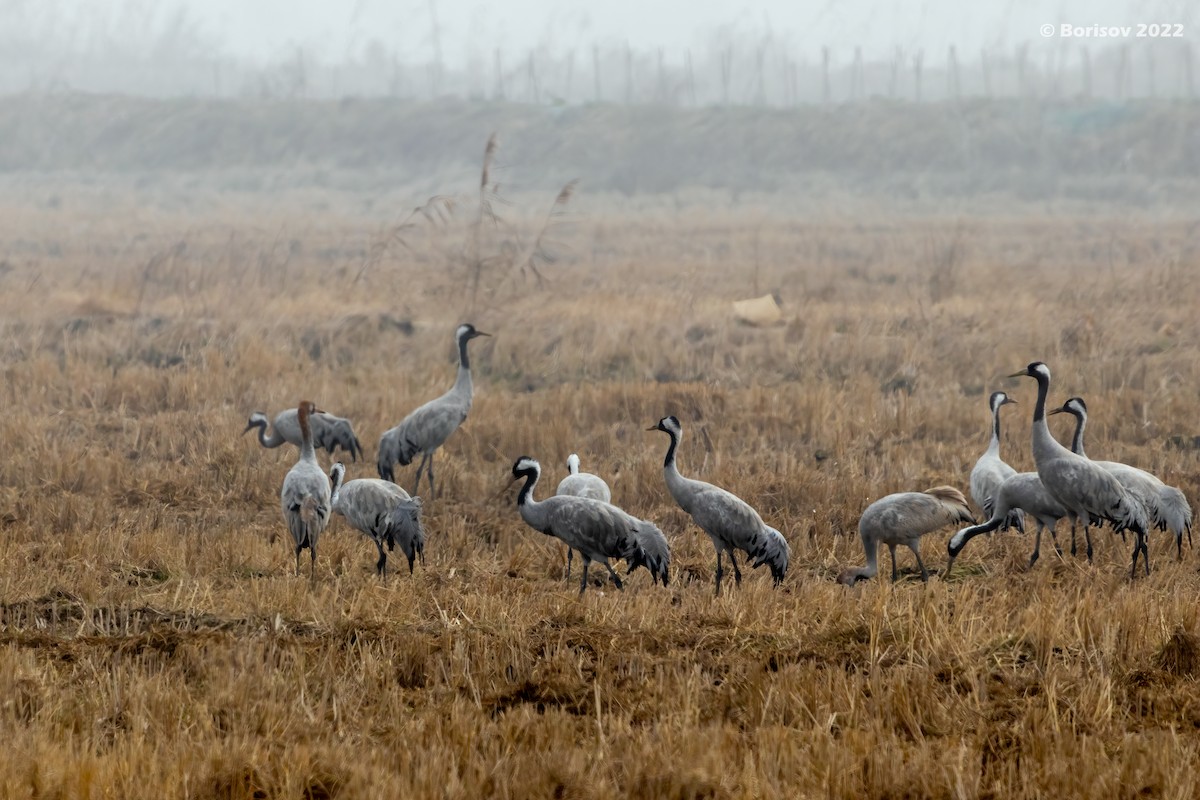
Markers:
155,643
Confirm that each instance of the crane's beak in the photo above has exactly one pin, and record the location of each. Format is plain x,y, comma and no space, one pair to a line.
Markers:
479,333
1058,411
1009,401
1023,373
248,427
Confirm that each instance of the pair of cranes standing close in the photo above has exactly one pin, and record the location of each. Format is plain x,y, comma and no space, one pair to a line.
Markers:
1066,484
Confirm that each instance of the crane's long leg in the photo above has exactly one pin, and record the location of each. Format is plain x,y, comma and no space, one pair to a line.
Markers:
1037,545
312,569
737,573
381,564
616,579
429,472
1140,546
1087,537
720,572
1072,537
570,557
583,579
421,466
917,552
299,547
895,573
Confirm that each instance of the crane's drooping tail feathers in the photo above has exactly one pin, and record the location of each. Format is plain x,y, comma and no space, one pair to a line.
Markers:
310,520
772,550
1175,513
651,552
953,499
1128,514
404,526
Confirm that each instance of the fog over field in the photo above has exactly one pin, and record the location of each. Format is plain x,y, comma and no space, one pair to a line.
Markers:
820,236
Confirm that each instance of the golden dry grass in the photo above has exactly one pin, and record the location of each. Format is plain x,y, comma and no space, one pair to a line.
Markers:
156,644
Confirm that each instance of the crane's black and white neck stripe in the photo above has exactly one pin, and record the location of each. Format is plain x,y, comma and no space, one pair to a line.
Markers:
337,474
997,400
1078,409
531,471
670,426
465,333
1041,373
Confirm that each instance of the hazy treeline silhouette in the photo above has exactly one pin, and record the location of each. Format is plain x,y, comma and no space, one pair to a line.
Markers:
135,52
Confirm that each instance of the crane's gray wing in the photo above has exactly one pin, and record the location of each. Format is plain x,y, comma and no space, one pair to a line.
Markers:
726,516
330,433
427,427
595,529
585,485
304,499
651,552
287,425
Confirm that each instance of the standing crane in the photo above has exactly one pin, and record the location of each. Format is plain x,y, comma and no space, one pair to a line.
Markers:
1025,491
381,511
425,429
728,520
903,518
329,432
581,484
1169,509
1086,490
304,497
990,470
599,531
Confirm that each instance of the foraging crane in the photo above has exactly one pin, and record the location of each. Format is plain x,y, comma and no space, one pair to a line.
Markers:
728,520
581,484
1024,491
1168,507
990,470
1088,492
383,512
904,518
328,431
304,497
425,429
599,531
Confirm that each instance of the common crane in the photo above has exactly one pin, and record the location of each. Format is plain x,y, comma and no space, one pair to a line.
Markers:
581,484
728,520
1169,509
599,531
990,470
1025,491
383,512
304,497
1088,492
426,428
329,432
904,518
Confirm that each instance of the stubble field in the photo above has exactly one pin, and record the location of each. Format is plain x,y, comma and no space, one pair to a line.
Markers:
155,643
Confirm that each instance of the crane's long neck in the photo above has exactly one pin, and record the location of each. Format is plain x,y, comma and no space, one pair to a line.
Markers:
994,444
307,453
871,547
1077,439
1044,445
274,440
338,477
462,383
677,485
531,510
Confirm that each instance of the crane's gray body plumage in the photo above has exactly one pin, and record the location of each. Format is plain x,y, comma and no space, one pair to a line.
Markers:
903,518
1087,491
581,484
730,522
381,511
598,531
329,432
1025,491
990,471
305,496
1167,506
426,428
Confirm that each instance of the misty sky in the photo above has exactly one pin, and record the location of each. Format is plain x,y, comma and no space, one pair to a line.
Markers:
267,30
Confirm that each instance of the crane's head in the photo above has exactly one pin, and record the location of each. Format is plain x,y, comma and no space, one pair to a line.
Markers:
1074,406
1036,369
573,464
337,473
257,420
668,425
466,332
524,467
1000,399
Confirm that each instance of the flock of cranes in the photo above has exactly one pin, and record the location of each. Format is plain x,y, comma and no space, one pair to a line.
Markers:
1066,484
